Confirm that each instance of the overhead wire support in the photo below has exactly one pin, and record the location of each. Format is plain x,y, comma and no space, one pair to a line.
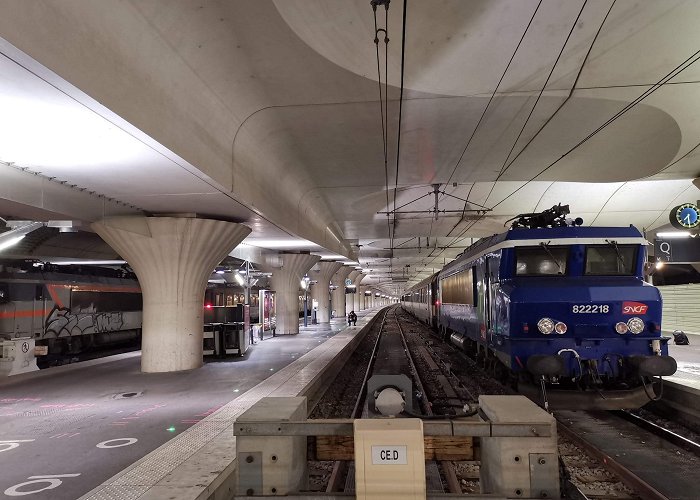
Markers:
436,208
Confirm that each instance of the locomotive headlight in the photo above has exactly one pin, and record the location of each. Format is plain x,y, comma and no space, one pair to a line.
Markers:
545,325
636,325
621,327
560,328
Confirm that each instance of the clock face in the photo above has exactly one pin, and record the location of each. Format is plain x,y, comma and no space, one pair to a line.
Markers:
686,216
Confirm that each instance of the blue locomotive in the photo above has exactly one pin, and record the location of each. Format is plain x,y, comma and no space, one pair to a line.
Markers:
562,311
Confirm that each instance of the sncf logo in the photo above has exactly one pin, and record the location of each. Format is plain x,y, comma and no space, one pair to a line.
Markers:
634,308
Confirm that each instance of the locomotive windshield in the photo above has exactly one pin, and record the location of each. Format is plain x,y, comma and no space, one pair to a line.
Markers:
611,259
544,260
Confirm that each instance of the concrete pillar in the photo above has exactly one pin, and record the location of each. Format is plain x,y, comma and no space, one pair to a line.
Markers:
363,298
350,301
173,258
321,290
357,299
338,296
286,282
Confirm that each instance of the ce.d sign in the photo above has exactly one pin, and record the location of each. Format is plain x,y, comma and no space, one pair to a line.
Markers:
389,455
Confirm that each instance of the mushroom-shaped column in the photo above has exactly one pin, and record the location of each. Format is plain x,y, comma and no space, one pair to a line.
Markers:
363,299
173,258
357,298
321,290
338,295
350,302
286,282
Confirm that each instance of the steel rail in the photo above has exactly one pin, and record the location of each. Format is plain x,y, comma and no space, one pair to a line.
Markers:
450,474
340,467
657,430
636,483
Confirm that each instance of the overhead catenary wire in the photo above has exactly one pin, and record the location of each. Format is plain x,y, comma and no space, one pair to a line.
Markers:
383,96
539,95
478,124
493,94
653,88
569,95
505,165
656,86
398,135
483,114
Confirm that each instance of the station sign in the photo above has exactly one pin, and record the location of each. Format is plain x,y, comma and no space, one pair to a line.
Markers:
678,251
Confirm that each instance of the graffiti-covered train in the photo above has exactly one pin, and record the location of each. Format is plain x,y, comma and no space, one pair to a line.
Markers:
69,313
563,312
73,309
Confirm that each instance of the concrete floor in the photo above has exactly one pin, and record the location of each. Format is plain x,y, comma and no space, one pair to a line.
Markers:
688,359
70,425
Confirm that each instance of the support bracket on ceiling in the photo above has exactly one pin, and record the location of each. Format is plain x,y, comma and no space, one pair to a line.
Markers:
436,192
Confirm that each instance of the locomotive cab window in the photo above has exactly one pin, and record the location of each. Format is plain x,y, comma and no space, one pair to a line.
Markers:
4,293
543,260
611,259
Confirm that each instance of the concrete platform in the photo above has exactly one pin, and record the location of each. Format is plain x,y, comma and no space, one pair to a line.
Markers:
66,431
688,358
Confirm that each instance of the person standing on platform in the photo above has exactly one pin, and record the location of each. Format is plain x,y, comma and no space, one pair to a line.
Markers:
352,318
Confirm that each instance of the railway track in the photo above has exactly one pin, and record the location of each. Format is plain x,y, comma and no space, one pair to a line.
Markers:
440,473
445,379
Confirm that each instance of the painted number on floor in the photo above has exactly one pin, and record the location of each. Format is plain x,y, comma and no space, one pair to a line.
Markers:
12,444
39,484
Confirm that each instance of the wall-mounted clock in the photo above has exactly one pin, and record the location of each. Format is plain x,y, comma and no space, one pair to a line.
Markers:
685,216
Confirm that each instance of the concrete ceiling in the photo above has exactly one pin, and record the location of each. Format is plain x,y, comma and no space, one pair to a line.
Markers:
267,113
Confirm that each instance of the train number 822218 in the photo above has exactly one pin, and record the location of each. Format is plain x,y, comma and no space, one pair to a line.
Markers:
590,308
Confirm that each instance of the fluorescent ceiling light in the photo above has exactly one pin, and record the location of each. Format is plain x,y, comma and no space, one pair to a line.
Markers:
87,262
72,136
238,278
19,230
280,243
12,241
675,234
